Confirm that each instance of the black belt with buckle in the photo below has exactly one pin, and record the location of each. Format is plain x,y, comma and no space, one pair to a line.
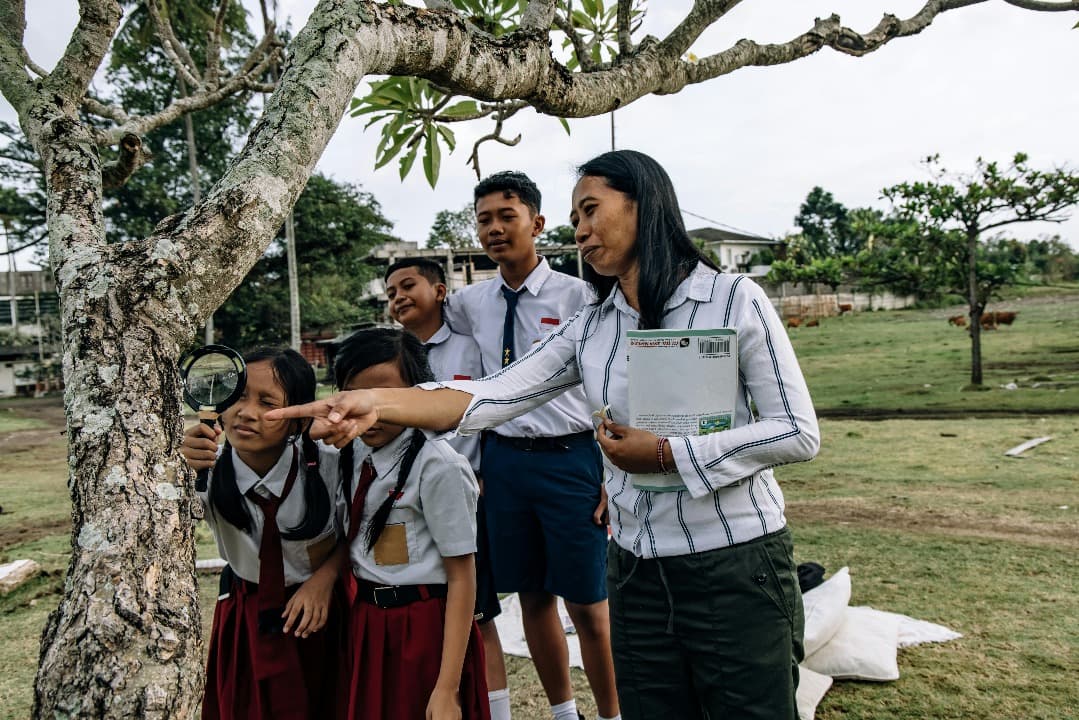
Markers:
394,596
556,442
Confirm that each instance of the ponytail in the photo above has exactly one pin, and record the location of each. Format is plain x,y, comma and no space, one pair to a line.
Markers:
378,521
225,495
316,499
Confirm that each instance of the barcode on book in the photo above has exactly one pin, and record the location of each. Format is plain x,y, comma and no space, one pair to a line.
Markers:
714,346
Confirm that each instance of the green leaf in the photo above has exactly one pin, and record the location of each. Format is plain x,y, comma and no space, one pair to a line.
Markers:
432,158
589,6
565,124
448,136
461,109
408,159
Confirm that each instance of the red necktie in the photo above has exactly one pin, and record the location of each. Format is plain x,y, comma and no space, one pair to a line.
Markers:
359,499
271,563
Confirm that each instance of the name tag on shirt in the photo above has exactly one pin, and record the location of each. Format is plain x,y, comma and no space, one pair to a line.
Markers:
392,546
462,377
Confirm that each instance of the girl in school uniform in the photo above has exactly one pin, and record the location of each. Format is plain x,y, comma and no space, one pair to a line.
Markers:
269,508
408,509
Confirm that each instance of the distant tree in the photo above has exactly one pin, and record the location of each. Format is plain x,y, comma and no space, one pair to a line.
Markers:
336,226
827,226
967,206
1052,260
454,229
557,236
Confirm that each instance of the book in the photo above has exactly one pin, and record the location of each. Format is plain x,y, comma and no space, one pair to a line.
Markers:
681,383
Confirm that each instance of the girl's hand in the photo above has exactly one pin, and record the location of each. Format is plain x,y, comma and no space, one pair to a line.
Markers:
309,607
629,448
339,419
199,447
443,705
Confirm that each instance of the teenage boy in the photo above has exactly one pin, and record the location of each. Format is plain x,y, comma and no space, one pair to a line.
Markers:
416,289
543,482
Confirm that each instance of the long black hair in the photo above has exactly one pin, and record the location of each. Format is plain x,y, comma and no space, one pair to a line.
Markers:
665,252
359,351
297,379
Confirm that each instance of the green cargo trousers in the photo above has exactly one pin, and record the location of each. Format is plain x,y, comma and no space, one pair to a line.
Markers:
715,635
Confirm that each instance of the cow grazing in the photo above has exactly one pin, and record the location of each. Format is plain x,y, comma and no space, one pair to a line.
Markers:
958,320
845,308
1005,317
794,322
813,323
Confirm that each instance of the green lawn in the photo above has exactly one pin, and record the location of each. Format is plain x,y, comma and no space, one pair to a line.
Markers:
931,517
913,361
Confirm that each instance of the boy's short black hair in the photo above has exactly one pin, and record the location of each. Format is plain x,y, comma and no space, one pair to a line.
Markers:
512,184
430,269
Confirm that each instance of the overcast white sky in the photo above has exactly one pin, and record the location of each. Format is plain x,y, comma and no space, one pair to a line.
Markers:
745,149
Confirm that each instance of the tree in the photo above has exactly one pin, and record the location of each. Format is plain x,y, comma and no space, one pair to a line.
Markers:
957,209
826,226
454,229
336,226
125,640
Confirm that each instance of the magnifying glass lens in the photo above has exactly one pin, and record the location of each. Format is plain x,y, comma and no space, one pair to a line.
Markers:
212,378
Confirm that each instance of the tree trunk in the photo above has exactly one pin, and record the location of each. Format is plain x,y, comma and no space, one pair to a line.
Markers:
125,641
976,308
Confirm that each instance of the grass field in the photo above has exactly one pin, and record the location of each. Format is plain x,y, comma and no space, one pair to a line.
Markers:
933,520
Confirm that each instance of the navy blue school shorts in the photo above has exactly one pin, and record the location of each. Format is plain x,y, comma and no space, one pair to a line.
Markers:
540,496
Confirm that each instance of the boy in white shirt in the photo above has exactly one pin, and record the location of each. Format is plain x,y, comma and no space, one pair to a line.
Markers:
545,502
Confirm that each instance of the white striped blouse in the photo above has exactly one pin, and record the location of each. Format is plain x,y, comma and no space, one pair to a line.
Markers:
731,496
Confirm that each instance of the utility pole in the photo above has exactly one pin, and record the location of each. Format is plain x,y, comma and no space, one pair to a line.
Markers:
11,276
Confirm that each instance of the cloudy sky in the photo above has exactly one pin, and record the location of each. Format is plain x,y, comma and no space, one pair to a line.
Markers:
745,149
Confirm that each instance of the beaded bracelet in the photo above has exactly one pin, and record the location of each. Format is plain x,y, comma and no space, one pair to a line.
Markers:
659,456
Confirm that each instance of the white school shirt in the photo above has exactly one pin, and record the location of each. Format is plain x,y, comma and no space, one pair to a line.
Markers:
454,356
437,506
547,302
301,557
731,496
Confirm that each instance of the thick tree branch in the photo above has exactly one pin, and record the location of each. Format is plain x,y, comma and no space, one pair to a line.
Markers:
15,83
98,20
538,15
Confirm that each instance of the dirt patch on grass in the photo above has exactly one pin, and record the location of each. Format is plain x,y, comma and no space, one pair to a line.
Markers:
858,512
20,533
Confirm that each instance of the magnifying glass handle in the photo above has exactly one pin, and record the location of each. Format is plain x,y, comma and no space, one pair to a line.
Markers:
203,477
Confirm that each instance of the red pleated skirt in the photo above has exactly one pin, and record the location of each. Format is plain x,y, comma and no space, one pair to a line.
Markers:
392,663
252,677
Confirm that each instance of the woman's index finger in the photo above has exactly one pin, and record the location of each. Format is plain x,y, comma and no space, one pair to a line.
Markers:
316,409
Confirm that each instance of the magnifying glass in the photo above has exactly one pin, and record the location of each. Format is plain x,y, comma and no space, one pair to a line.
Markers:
214,377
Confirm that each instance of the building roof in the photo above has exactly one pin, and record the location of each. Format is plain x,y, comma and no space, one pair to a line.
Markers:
717,235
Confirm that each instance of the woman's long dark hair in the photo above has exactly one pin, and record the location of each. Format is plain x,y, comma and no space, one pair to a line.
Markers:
362,350
665,252
297,379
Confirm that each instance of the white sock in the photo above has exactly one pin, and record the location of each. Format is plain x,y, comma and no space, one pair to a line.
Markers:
500,704
616,717
565,711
